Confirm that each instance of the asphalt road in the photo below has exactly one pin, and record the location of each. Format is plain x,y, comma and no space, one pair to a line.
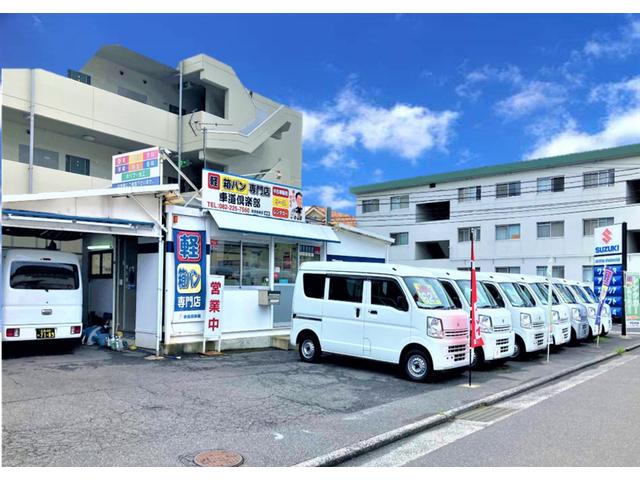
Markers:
96,407
591,419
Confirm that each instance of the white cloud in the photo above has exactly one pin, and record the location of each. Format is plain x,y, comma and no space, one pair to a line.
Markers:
621,45
534,95
351,121
335,158
470,88
333,196
617,95
620,129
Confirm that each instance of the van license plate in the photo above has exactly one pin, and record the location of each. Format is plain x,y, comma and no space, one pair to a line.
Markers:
45,333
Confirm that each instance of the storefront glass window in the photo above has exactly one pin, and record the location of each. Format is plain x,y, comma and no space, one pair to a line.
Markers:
255,264
286,263
225,260
309,253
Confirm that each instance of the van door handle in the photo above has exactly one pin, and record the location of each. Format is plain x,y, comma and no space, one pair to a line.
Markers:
357,312
46,311
373,312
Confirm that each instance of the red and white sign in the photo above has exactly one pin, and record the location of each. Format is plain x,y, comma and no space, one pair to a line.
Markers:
213,317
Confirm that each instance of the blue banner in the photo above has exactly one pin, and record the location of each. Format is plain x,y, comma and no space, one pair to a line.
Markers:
613,291
190,259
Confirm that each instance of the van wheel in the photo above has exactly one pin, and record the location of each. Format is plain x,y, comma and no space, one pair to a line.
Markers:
519,349
309,349
417,365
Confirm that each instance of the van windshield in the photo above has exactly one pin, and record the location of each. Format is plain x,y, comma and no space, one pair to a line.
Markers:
428,293
591,294
43,276
484,299
515,295
579,294
542,291
566,293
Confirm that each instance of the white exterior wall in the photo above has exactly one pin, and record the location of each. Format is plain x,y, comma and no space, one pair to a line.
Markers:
356,245
573,251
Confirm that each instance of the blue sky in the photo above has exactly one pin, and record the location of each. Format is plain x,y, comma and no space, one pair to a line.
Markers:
391,96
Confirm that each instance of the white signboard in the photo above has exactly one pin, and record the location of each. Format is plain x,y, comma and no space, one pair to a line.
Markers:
607,241
607,260
232,193
214,308
136,169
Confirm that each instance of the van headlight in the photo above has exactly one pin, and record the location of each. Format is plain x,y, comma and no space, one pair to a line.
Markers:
525,320
575,314
555,316
486,324
434,327
591,312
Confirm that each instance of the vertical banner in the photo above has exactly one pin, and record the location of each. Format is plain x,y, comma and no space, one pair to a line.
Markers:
190,260
214,310
606,280
632,301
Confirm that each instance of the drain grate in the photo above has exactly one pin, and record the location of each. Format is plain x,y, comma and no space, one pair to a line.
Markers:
486,414
218,458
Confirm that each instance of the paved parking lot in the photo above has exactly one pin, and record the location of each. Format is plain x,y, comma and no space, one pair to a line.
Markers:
101,408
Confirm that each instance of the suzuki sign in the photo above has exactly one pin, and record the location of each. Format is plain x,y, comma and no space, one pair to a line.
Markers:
608,240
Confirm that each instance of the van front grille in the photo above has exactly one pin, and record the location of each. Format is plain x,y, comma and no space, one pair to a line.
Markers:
457,348
539,338
502,341
458,357
456,333
502,328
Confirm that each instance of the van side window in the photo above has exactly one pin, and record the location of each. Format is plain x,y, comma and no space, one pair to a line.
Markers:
388,293
346,289
451,291
495,294
313,285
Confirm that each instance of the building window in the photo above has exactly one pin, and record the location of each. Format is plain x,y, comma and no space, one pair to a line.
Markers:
436,250
541,271
557,271
508,232
464,234
590,224
79,76
587,273
77,165
550,229
433,211
511,189
255,264
507,269
285,262
369,206
467,269
308,253
41,157
601,178
225,260
399,202
101,264
401,238
469,194
551,184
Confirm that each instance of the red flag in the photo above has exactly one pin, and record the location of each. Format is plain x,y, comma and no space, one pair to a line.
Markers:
475,338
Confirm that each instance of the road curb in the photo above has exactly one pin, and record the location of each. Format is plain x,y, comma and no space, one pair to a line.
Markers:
364,446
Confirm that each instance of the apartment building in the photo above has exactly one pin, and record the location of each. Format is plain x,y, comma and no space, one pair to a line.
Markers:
521,213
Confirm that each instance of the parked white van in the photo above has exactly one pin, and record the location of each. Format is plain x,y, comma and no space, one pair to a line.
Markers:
527,319
494,321
585,299
42,296
579,314
391,313
537,288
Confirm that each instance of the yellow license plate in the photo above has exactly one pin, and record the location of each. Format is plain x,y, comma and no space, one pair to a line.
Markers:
45,333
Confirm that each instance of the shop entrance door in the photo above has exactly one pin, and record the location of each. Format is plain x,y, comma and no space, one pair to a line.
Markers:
126,255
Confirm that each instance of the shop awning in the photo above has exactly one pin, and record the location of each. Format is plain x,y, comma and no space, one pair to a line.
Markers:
270,226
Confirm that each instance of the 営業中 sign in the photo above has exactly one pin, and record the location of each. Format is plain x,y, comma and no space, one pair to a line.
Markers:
136,169
232,193
214,307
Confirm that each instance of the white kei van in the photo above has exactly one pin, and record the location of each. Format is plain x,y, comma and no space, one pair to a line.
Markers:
42,296
495,321
579,313
585,299
537,287
527,319
391,313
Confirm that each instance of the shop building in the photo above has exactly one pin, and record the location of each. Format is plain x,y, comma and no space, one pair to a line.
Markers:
521,213
148,241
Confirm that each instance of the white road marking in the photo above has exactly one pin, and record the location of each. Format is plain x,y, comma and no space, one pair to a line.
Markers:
278,436
432,440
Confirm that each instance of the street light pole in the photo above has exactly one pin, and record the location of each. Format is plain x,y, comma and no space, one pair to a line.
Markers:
549,309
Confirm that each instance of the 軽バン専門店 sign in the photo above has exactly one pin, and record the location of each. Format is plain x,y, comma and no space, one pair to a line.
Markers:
232,193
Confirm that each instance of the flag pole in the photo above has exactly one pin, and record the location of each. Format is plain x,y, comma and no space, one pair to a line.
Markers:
471,309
